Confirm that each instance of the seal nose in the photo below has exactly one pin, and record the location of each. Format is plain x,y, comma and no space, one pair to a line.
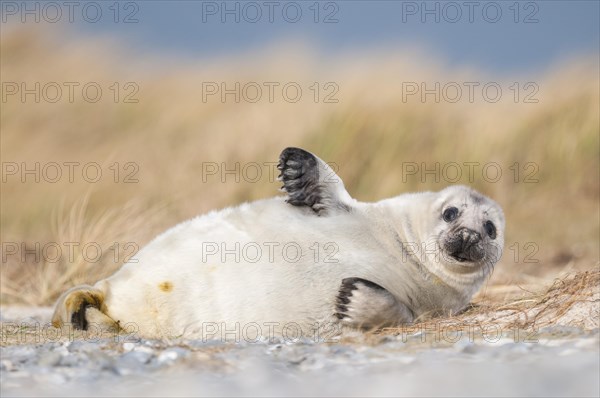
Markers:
465,245
469,237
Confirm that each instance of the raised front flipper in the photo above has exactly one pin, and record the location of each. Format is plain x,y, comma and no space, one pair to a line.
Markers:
309,181
362,304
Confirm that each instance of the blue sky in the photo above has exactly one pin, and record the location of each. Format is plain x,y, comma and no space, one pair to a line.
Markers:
499,36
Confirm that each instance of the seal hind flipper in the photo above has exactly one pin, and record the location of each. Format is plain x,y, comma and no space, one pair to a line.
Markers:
366,305
311,182
81,306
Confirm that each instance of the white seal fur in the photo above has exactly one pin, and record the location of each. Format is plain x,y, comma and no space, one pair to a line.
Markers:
316,258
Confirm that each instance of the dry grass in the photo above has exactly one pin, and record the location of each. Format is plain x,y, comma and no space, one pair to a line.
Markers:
368,134
572,300
548,306
113,234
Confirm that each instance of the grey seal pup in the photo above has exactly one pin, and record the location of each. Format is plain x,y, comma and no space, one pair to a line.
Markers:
315,259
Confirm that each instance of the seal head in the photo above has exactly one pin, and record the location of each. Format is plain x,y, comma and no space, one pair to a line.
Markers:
467,230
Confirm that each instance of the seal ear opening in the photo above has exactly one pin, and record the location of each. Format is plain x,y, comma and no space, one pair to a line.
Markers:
311,182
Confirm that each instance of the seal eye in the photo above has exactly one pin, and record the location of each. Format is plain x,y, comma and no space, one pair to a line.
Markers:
490,229
450,214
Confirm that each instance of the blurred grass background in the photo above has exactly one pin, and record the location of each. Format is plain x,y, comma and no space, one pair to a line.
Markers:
368,134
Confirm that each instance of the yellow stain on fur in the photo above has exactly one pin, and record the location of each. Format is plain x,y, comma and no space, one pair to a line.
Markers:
166,286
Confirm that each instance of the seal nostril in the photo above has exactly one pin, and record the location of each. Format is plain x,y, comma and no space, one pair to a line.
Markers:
469,237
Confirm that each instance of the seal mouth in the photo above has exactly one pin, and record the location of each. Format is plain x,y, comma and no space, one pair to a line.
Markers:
461,258
473,254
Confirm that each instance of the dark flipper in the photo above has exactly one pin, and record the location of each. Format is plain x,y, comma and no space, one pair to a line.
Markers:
309,181
365,305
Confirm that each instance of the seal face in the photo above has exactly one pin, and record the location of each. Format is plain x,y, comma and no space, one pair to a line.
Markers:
392,262
465,244
468,230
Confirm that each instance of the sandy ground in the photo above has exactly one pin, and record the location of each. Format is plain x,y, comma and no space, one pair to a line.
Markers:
555,360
